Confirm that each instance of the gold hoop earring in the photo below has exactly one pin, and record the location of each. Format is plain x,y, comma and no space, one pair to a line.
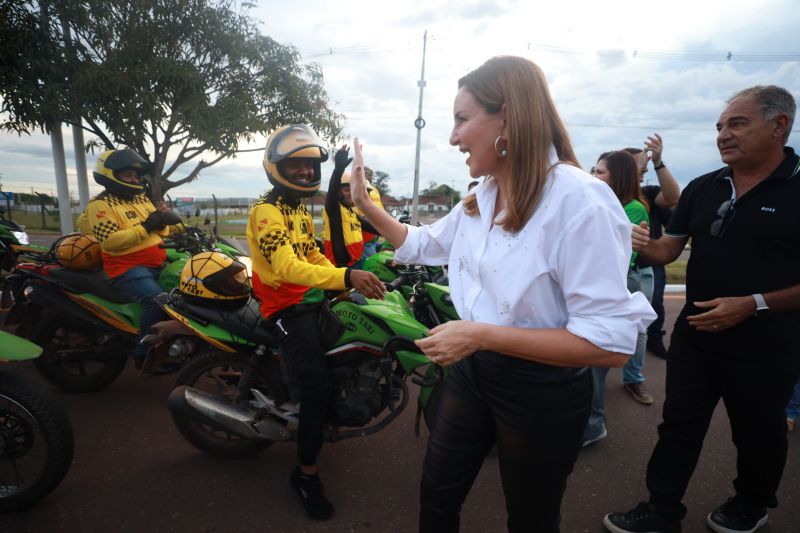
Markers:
501,152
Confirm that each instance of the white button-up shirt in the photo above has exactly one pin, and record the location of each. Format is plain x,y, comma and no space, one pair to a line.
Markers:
566,268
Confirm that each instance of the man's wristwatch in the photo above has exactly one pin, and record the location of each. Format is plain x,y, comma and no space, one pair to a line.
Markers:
659,166
761,305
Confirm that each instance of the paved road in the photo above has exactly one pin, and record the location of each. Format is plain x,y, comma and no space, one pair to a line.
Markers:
134,473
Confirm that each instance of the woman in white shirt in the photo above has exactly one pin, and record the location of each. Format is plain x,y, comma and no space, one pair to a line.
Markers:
538,256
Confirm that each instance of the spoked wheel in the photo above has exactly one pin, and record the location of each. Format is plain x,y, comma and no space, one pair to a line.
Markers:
36,443
218,374
78,362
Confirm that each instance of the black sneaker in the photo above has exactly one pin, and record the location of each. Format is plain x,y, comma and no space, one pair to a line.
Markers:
643,518
655,345
735,517
312,495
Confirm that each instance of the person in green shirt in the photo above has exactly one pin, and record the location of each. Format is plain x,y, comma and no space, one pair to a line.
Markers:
620,171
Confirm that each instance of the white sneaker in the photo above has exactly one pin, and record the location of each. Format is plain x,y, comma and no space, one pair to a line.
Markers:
603,434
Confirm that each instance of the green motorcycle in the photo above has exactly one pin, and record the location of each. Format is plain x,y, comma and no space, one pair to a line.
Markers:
36,441
86,327
15,247
235,399
383,265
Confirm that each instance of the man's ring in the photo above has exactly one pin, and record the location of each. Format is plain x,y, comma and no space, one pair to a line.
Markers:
715,326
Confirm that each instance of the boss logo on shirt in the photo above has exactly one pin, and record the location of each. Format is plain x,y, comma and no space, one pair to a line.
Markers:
768,209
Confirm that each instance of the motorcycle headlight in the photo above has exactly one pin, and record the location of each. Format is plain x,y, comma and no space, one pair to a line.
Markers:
21,236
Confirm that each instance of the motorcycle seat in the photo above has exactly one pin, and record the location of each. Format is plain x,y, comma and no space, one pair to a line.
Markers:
95,283
244,321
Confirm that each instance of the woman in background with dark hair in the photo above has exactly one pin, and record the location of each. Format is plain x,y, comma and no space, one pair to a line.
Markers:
620,171
541,295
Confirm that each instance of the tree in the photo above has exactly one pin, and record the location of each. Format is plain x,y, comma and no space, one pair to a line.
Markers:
381,181
174,80
443,190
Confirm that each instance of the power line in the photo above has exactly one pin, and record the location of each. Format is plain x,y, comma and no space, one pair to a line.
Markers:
636,53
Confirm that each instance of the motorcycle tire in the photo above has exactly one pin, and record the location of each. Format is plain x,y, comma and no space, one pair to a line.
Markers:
217,373
36,443
83,375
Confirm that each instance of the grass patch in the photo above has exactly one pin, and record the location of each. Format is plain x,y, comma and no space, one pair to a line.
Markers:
676,272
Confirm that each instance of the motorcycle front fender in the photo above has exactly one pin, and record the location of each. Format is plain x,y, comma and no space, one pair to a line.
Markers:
13,348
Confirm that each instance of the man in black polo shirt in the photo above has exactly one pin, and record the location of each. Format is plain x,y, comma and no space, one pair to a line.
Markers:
735,338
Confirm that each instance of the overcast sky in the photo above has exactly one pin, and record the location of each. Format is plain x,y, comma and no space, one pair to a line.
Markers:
618,71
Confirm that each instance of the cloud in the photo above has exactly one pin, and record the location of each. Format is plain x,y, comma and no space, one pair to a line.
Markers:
676,84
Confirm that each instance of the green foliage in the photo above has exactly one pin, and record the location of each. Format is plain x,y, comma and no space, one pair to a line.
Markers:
442,190
188,77
676,272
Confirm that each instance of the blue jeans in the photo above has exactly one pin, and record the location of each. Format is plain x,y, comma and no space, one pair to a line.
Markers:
140,285
638,281
632,372
793,409
370,248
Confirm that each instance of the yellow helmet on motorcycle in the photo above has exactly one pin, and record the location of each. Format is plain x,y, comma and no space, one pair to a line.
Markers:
111,163
297,141
79,252
214,278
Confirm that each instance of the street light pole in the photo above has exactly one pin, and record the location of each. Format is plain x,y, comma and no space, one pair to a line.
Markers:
419,124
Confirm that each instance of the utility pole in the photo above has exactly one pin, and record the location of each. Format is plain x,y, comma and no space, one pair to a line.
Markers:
77,131
419,124
59,163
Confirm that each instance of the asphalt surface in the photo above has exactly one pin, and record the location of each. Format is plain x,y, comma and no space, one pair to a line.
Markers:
133,472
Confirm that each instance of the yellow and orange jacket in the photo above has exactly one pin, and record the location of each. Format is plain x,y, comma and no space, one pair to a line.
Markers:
351,231
117,224
287,263
375,196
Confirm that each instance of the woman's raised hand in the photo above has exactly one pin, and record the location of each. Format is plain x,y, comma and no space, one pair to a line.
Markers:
358,185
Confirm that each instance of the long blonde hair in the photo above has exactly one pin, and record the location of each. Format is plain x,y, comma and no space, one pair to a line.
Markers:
533,125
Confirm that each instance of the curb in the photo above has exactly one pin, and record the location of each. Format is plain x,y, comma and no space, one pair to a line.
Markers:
675,289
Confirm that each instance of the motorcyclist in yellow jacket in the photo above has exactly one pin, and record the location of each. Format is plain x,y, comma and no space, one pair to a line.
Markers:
343,228
289,274
130,229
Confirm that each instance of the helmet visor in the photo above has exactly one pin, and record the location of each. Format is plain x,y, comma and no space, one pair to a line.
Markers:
230,281
299,141
127,159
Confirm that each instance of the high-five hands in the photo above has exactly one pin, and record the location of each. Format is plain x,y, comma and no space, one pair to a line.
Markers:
358,185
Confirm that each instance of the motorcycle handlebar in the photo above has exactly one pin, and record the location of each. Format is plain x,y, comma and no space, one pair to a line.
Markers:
396,283
397,343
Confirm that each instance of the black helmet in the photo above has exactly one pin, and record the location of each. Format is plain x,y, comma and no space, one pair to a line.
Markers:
111,162
295,141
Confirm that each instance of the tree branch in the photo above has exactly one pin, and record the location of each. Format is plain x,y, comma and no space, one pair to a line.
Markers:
193,174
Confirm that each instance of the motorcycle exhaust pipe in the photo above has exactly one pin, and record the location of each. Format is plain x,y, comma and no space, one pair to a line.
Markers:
224,416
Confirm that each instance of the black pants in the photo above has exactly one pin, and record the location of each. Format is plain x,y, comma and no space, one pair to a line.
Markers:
535,413
755,387
659,284
297,330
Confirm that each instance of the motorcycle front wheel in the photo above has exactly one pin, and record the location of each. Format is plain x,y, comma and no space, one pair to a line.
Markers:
72,360
36,443
219,374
